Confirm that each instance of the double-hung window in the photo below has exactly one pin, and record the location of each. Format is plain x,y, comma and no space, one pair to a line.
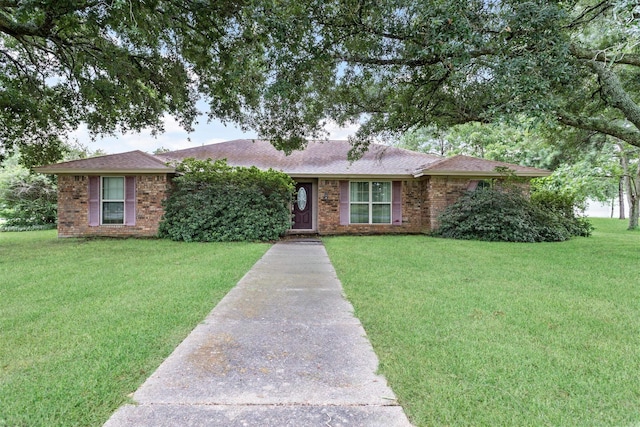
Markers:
113,200
370,202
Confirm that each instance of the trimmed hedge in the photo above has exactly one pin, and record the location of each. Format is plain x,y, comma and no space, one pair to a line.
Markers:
505,214
215,202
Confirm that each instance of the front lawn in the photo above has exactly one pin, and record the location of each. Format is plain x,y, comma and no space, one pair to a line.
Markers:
478,333
84,322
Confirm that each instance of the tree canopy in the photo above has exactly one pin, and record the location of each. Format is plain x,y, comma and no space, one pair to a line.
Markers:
284,68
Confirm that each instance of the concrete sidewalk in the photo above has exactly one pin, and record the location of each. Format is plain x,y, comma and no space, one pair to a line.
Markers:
281,349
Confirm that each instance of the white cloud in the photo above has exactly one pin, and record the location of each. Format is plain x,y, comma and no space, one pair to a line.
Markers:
341,132
175,138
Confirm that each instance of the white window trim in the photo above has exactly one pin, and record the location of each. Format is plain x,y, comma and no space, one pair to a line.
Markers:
124,198
370,203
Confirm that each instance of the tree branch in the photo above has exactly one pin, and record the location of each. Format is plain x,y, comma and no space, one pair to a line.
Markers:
596,10
614,94
625,133
601,56
406,62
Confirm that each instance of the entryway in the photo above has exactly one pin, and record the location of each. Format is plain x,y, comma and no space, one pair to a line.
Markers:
303,207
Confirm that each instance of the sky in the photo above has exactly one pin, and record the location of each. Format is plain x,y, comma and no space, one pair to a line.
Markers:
175,138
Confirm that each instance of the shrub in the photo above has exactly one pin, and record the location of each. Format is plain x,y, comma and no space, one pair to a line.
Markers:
28,200
505,214
565,208
212,201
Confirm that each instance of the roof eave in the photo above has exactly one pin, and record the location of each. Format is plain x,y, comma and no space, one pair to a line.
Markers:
349,176
71,171
534,174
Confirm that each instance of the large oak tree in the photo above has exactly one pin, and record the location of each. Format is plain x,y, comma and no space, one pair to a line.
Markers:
284,67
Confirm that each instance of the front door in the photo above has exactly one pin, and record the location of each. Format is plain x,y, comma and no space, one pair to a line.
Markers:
302,212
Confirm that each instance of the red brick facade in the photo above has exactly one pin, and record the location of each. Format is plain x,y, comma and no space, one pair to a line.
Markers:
423,199
413,198
73,207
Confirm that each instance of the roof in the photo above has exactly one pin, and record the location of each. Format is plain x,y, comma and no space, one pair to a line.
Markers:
328,158
129,162
319,158
466,165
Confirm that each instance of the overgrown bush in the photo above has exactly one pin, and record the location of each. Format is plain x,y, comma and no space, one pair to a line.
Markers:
505,214
212,201
28,200
565,208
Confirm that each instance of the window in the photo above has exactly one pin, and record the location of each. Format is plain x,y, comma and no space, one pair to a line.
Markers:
475,184
112,200
370,202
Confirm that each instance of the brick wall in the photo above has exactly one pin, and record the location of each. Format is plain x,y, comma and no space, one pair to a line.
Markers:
73,207
443,191
413,198
446,190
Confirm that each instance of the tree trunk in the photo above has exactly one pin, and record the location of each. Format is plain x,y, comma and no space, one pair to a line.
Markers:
634,200
620,197
632,188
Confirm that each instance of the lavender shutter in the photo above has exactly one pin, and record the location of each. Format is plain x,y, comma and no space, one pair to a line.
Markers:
130,200
94,201
396,207
344,202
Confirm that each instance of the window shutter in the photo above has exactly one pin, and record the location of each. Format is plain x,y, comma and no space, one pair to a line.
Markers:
344,202
94,201
130,200
396,208
472,185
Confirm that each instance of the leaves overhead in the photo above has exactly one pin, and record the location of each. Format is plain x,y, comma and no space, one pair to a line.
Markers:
284,68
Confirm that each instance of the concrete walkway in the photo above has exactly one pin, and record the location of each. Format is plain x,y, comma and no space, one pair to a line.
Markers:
281,349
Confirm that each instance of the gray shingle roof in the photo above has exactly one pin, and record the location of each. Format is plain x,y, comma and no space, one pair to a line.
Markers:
466,165
328,158
319,158
129,162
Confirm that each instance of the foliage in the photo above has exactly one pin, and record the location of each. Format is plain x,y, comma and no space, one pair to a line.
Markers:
212,201
505,214
27,200
518,142
584,164
112,66
475,333
563,211
389,65
86,321
15,228
396,65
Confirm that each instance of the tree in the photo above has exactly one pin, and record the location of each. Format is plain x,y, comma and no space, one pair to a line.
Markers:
114,66
631,181
396,65
284,68
27,200
585,165
518,142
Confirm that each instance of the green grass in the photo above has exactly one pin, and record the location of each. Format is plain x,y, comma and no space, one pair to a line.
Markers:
478,333
84,322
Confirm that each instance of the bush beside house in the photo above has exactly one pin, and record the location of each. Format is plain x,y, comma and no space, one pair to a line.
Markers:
212,201
506,214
